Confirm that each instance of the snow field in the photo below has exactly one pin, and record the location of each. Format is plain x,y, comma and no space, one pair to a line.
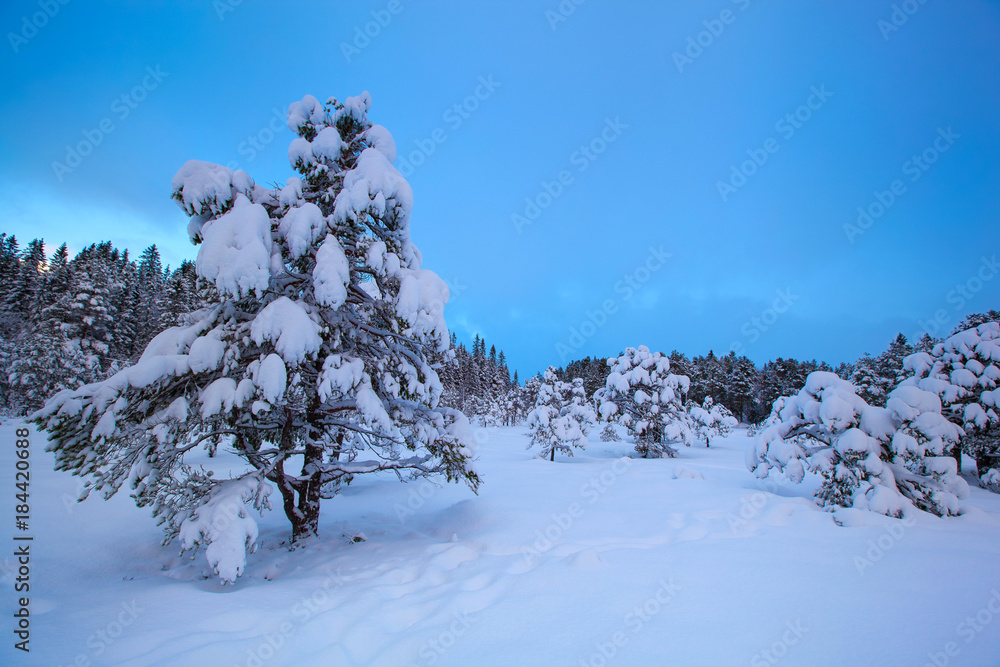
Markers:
594,560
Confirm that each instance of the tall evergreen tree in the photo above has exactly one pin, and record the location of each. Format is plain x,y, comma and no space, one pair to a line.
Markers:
317,352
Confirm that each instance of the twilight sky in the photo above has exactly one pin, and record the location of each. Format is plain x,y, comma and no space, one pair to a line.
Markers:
787,178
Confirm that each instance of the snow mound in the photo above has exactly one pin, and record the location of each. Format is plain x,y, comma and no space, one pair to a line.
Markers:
225,526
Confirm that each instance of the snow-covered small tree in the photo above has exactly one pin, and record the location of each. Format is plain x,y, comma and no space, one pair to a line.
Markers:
881,459
483,411
889,364
527,397
643,395
973,320
710,420
47,363
964,371
870,385
561,417
312,364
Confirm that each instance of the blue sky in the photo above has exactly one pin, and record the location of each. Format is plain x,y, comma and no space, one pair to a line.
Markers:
591,117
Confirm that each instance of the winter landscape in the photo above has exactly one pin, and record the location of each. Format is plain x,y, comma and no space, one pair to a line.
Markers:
346,379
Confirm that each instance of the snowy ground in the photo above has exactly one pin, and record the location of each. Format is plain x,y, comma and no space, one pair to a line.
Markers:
592,560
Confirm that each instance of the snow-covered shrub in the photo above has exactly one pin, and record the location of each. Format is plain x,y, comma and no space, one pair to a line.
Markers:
881,459
609,434
991,480
314,353
710,420
483,411
643,395
561,417
963,371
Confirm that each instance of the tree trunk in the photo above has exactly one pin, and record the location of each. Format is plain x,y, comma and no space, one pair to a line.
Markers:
956,451
552,455
300,499
984,462
309,491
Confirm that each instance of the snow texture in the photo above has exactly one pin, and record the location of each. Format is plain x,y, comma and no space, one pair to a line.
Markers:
332,274
236,251
287,325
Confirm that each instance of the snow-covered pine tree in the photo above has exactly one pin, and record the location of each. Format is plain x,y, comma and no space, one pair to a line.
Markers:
527,397
643,395
150,295
870,385
181,295
315,354
964,371
889,364
10,264
710,420
593,371
709,378
608,433
47,362
26,292
502,382
844,370
680,364
89,316
131,332
740,386
561,417
57,278
926,343
881,459
973,320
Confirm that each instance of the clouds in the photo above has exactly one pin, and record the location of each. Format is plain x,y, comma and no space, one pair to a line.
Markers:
655,184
